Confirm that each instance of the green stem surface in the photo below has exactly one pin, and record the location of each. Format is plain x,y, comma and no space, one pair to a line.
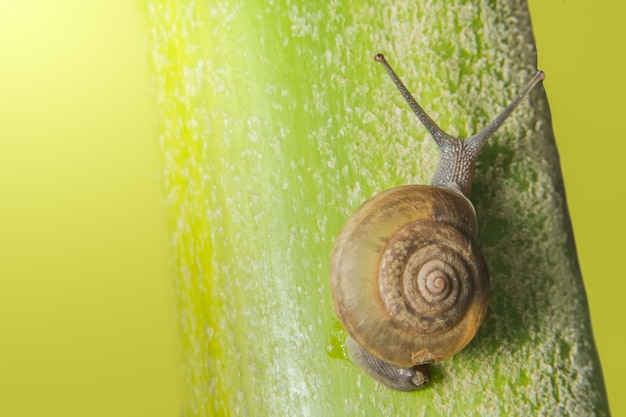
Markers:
276,123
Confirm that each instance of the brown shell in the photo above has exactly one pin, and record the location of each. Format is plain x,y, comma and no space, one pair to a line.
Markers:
409,282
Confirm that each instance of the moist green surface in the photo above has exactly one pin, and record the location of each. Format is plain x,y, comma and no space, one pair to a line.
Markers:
276,123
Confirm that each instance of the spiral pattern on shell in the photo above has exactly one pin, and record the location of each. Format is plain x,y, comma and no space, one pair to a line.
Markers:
409,282
423,277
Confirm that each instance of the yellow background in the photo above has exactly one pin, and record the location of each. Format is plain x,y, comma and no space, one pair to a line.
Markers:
581,46
85,313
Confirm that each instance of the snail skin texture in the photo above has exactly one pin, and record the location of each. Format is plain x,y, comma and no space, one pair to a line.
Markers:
409,283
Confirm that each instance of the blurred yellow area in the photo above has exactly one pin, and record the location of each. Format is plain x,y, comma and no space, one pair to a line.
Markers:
580,46
85,308
85,314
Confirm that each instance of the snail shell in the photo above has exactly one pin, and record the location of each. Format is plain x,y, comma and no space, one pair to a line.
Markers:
409,282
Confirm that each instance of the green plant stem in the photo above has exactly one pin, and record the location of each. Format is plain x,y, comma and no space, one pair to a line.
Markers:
276,123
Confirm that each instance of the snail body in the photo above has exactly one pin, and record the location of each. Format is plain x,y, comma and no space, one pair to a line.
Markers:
408,280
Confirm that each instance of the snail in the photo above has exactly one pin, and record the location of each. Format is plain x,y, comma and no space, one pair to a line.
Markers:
409,282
